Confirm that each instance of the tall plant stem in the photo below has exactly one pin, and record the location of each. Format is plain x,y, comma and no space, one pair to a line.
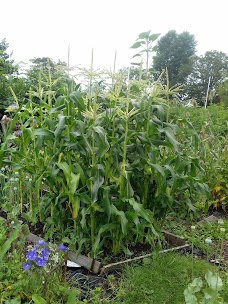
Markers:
90,80
114,68
124,156
21,195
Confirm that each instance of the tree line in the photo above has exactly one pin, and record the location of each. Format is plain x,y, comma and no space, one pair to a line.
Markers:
173,52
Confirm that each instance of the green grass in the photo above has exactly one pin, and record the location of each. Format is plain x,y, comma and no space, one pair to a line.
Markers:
162,281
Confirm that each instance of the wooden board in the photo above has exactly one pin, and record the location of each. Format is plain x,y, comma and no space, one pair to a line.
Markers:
95,266
82,260
173,238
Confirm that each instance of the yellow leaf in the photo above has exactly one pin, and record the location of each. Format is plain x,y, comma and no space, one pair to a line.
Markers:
222,198
217,188
75,207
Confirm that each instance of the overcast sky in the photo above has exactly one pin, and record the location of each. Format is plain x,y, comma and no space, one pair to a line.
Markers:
37,28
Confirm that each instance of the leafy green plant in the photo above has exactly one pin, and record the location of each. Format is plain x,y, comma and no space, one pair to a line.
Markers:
211,128
205,292
145,41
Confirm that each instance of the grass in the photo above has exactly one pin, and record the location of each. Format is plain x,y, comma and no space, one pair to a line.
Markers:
161,281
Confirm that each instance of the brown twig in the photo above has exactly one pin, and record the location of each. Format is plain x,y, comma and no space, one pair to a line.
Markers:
47,277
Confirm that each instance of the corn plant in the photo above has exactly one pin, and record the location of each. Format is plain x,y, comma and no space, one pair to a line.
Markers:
104,165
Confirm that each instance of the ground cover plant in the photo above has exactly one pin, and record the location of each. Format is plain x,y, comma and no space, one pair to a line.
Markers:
162,280
30,274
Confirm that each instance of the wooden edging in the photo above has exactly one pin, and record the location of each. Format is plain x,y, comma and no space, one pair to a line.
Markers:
173,238
88,263
118,265
95,266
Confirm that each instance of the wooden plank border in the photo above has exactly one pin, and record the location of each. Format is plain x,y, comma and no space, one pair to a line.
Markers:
173,238
88,263
95,266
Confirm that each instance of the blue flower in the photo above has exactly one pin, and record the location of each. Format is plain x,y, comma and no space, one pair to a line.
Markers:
41,242
45,253
45,250
26,266
45,257
18,133
62,247
40,262
31,255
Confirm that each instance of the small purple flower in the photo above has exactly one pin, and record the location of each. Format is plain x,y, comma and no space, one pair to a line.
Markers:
45,250
41,242
45,256
45,253
13,105
26,266
34,120
62,247
31,255
18,133
40,262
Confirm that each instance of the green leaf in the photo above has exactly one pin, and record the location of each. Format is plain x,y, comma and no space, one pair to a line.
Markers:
72,296
56,110
61,125
190,298
154,48
97,244
37,299
13,301
74,181
144,35
190,205
158,168
136,55
6,246
135,63
44,132
101,140
140,211
78,169
214,281
10,137
75,206
77,98
66,170
99,180
106,201
122,217
136,45
170,136
154,37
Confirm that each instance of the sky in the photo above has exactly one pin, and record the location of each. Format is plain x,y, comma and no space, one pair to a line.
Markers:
45,28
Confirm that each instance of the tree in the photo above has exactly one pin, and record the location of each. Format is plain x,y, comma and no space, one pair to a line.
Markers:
213,65
223,91
7,69
174,52
47,73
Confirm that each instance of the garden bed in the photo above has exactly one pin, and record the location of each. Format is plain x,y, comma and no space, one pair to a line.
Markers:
95,267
